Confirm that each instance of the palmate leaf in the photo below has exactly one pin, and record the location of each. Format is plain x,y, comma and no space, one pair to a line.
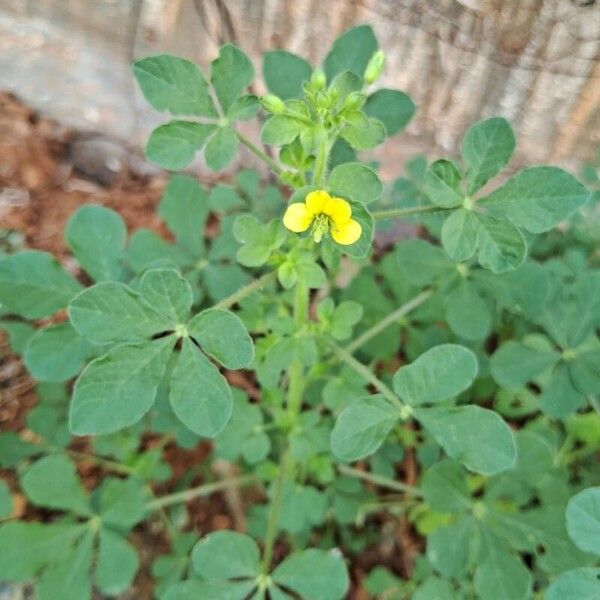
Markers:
34,285
583,520
362,427
174,145
174,84
200,395
437,375
96,236
351,51
168,294
117,564
474,436
393,108
356,182
284,73
119,388
230,74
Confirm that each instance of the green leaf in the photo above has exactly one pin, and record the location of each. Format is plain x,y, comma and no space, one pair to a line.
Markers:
110,312
314,574
449,548
173,145
437,375
486,149
19,334
501,245
121,502
459,235
68,576
279,130
393,108
55,353
200,395
356,182
184,207
475,436
514,364
502,576
53,482
27,547
467,313
119,388
226,555
537,199
221,148
285,73
211,590
6,501
34,285
230,74
174,84
363,133
583,520
147,250
560,397
243,435
420,262
362,427
445,488
97,235
442,184
351,51
117,564
576,584
244,108
167,293
222,334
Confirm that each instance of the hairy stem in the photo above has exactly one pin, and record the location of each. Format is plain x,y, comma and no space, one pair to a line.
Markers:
196,492
369,376
388,320
294,404
252,287
379,480
398,213
277,169
321,163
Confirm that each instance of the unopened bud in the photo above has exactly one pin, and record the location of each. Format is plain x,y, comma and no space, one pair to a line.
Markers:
374,67
273,104
354,101
318,79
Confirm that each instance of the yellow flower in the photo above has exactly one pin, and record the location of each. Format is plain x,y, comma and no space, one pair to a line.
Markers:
325,214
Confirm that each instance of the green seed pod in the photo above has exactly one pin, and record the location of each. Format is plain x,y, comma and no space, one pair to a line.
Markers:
272,104
374,67
354,101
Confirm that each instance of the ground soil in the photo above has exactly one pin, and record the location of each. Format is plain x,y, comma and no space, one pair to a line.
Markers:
46,172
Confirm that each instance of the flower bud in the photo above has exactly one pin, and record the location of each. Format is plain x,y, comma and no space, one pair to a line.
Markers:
272,104
318,79
354,101
374,67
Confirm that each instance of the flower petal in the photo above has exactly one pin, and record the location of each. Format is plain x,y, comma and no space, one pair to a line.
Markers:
315,201
297,217
348,233
338,210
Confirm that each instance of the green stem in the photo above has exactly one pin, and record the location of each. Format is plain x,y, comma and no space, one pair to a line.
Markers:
97,460
595,404
274,511
380,480
252,287
196,492
398,213
294,404
278,170
321,163
388,320
370,377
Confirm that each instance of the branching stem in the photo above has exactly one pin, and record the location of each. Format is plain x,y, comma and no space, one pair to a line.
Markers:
399,213
252,287
276,168
379,480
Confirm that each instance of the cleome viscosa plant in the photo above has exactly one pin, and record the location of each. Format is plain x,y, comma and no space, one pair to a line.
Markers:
448,383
